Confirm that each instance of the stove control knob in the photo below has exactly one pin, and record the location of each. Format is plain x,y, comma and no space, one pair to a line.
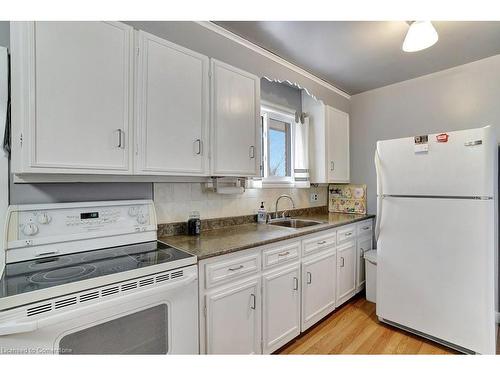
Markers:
142,219
133,211
30,229
43,218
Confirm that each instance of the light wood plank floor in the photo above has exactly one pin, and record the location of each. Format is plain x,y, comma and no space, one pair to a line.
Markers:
355,329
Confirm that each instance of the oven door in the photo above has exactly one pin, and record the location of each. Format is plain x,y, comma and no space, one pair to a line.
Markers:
158,319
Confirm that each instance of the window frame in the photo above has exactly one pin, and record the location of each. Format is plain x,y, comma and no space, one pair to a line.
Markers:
286,115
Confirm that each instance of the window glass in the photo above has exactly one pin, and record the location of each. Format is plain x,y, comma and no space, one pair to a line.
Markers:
278,154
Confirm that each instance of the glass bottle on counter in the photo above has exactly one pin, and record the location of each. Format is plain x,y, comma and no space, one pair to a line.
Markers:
194,223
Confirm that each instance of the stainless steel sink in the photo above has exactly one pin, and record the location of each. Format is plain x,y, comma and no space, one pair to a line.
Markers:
294,223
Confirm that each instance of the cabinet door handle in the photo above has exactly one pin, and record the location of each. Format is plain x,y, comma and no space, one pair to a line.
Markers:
362,252
121,140
236,268
252,306
295,283
197,149
365,228
321,242
343,262
251,152
283,254
332,165
309,278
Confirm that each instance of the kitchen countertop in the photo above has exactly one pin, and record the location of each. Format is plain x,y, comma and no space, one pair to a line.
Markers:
240,237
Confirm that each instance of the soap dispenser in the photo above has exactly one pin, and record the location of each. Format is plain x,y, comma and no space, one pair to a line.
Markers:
261,214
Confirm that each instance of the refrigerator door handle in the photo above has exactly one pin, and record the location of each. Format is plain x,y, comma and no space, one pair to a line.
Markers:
379,194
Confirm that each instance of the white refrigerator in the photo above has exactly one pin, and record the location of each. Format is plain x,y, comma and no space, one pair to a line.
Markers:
437,237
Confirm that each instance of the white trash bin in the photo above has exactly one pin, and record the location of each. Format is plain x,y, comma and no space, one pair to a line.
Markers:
371,275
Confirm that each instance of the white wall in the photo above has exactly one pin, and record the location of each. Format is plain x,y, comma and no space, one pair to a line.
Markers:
174,201
467,96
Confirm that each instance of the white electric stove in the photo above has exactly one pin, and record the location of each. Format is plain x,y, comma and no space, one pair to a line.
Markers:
92,278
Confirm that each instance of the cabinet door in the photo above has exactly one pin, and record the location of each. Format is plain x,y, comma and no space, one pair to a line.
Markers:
233,324
235,145
364,244
172,109
346,272
78,77
281,307
318,287
337,145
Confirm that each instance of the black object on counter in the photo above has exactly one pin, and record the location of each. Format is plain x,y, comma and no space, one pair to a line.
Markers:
194,224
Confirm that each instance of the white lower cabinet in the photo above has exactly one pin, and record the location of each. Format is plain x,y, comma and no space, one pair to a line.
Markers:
318,287
280,307
257,300
233,319
346,271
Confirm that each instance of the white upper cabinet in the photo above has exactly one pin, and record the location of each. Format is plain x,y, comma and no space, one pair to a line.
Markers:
235,137
172,109
72,97
337,131
328,142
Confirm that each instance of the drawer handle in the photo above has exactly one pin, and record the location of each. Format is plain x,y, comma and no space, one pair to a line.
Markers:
236,268
365,228
48,253
348,234
309,278
295,283
321,242
343,262
252,306
283,254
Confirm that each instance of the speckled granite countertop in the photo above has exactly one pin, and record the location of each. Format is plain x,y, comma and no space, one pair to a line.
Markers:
240,237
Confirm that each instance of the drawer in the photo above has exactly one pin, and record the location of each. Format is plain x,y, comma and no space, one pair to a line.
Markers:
365,228
280,254
319,242
346,233
230,269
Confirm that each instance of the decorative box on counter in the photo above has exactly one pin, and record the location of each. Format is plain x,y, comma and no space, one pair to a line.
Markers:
347,198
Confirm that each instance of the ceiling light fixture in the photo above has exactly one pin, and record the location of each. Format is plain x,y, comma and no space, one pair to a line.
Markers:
420,35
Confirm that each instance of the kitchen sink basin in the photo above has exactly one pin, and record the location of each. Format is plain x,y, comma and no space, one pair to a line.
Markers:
294,223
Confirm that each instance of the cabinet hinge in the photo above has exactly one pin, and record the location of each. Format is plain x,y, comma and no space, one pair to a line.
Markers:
137,51
21,139
205,310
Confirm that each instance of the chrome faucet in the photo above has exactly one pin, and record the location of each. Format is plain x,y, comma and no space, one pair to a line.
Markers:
277,201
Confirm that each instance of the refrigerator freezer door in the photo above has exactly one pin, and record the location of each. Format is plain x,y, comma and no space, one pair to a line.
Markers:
461,166
436,269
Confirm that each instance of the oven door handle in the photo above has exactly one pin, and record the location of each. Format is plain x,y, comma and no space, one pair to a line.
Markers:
18,327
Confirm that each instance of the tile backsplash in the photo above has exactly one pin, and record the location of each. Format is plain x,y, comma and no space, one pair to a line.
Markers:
174,201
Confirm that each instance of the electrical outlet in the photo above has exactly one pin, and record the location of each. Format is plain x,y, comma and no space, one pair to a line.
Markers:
314,197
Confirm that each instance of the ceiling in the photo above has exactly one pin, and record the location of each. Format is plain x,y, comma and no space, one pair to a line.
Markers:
357,56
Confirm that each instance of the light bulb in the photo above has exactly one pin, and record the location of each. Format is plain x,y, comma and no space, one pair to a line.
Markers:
420,35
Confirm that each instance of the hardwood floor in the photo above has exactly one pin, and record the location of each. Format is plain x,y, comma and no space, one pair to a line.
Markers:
355,329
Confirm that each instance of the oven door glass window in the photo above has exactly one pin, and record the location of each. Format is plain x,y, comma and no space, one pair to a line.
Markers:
143,332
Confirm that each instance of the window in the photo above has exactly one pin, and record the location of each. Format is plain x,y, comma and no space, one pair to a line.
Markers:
277,145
